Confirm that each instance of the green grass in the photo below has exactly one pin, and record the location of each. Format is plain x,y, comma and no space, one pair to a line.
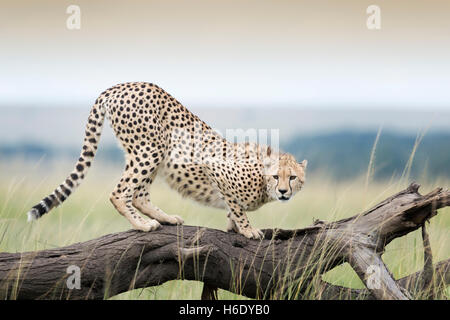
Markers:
88,214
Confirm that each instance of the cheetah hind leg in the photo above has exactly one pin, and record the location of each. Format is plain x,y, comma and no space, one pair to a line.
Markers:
141,201
122,197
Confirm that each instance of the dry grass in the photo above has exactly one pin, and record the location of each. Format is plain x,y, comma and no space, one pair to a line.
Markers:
88,214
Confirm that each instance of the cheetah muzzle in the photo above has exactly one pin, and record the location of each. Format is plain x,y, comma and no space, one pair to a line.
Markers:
160,136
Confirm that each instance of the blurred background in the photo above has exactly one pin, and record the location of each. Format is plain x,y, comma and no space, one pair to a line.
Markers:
368,108
312,69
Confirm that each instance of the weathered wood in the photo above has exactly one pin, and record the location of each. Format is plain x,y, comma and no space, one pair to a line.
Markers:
410,283
286,264
428,274
209,292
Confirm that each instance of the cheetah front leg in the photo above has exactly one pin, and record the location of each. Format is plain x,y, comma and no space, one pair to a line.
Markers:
231,227
239,222
141,201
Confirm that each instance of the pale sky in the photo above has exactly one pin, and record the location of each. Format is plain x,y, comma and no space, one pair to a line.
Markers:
305,54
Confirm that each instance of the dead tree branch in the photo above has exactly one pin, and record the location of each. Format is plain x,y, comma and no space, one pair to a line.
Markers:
286,264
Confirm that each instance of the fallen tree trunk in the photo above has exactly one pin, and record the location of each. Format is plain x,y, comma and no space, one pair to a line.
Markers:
286,264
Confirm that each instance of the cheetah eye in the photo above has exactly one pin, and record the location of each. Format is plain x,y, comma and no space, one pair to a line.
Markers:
275,177
292,177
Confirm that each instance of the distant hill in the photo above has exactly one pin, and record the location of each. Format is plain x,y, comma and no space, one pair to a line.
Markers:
347,154
64,127
343,155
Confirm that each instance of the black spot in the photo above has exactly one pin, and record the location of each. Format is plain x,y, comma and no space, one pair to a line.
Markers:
60,196
80,167
40,208
65,190
48,202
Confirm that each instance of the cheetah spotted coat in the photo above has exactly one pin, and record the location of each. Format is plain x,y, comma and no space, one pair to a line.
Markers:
160,136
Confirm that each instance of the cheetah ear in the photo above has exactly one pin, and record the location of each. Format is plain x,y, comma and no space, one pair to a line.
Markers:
304,163
269,151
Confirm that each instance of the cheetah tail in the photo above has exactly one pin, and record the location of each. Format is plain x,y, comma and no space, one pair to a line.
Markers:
91,139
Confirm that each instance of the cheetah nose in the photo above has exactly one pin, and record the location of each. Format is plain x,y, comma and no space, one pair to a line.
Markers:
282,191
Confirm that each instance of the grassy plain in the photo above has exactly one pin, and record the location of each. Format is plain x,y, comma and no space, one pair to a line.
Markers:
88,214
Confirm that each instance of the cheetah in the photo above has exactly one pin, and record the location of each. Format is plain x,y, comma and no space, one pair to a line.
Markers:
160,136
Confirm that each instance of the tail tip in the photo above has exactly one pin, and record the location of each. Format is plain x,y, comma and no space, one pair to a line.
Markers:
33,214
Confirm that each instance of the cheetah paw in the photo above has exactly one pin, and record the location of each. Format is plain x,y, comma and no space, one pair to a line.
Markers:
176,220
148,225
171,220
252,233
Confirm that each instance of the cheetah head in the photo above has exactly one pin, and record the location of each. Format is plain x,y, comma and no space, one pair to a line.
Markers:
285,177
